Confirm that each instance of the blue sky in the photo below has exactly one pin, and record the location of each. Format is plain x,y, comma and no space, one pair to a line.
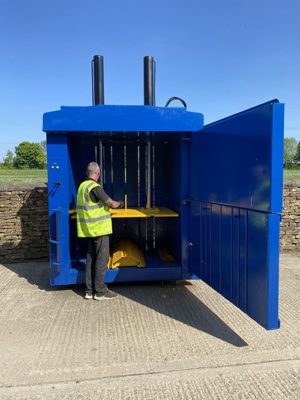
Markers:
220,56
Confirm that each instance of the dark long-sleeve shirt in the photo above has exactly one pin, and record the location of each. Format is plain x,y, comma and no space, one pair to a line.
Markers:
98,194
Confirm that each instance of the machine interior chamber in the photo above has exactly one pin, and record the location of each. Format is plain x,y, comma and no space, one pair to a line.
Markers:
129,173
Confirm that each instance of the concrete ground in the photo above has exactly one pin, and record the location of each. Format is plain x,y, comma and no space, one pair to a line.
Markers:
153,342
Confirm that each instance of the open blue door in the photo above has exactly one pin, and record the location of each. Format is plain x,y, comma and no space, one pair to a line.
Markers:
236,203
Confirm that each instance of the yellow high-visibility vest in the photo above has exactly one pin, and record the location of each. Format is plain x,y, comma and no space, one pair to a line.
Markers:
93,219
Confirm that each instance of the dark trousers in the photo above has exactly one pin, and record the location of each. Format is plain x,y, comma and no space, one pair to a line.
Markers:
96,264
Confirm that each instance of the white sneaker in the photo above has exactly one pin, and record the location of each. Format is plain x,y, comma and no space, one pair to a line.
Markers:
109,295
88,296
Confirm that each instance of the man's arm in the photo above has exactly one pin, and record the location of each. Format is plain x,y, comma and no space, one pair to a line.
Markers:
114,204
99,194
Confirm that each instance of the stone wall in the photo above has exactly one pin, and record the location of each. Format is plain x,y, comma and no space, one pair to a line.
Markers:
290,224
24,222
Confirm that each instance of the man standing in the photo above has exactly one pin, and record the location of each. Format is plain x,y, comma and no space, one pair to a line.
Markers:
94,223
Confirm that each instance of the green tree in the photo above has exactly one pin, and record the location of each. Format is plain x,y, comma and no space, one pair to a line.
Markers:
290,150
43,145
297,157
9,159
29,155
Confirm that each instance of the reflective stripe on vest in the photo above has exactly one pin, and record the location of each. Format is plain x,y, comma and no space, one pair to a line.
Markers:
93,219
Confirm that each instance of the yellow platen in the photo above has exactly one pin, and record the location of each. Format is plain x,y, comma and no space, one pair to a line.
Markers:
159,212
127,213
126,254
155,212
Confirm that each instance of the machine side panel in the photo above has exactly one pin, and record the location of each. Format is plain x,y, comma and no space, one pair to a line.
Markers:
58,199
237,255
216,250
238,161
277,159
273,271
236,171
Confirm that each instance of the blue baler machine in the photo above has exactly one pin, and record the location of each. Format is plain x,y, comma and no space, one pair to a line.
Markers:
202,201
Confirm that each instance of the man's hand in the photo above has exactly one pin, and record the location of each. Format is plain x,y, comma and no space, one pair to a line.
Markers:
114,204
121,204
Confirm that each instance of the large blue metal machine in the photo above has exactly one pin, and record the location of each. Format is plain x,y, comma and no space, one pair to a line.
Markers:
224,180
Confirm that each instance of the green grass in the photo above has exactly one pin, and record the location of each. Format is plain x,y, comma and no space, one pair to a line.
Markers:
292,173
16,176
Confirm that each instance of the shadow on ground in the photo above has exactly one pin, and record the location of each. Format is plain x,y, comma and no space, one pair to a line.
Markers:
179,303
174,301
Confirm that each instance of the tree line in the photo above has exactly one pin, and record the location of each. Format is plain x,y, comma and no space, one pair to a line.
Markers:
27,155
33,155
291,153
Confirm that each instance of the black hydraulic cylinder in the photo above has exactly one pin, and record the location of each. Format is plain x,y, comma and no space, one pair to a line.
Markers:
98,80
149,81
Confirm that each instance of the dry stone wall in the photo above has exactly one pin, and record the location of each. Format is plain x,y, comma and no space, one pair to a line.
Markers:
290,224
24,222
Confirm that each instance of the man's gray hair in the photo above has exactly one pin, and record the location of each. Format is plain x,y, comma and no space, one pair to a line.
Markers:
92,168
